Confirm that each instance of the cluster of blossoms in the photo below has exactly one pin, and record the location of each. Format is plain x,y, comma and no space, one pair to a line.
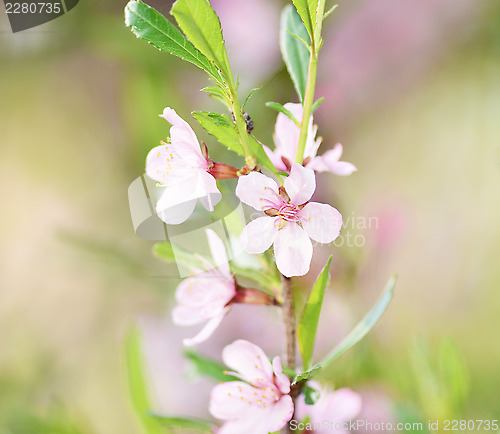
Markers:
261,402
183,169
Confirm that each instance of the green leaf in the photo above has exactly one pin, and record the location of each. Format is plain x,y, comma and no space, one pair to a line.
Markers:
308,324
261,156
203,366
137,381
358,333
165,251
279,108
222,128
295,54
454,375
153,27
329,11
307,10
180,423
266,280
306,375
311,395
248,96
317,103
212,89
201,25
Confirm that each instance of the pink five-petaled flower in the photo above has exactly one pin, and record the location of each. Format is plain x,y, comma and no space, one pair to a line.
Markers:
259,405
336,408
182,169
286,139
290,221
206,296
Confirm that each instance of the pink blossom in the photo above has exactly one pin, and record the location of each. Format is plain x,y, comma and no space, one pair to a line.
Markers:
206,296
183,171
286,139
260,403
291,221
336,408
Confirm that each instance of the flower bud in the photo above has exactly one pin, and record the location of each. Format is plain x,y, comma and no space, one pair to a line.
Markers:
223,171
253,296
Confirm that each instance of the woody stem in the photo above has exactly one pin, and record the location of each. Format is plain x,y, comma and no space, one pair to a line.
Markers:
290,330
289,320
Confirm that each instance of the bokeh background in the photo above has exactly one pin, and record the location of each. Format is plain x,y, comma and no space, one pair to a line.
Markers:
412,91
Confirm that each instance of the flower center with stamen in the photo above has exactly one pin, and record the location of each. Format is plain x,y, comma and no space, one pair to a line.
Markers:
288,212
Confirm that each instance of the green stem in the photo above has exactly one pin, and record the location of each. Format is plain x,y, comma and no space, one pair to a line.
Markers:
308,103
241,125
311,82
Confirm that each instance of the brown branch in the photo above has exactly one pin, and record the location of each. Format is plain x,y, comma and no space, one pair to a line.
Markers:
290,330
289,320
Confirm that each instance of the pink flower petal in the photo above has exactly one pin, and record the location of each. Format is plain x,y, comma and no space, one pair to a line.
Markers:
226,402
293,251
286,132
250,361
335,153
275,157
312,144
300,185
261,420
187,316
281,380
177,202
337,407
164,165
343,168
321,222
181,133
318,165
218,251
258,235
281,413
237,403
207,292
329,161
206,331
258,191
171,211
211,194
239,426
344,404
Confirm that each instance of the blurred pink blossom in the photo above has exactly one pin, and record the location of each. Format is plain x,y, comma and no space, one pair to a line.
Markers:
377,408
290,221
382,47
250,32
259,405
336,407
286,139
206,296
183,171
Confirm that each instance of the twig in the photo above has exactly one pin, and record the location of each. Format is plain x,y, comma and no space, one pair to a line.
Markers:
289,320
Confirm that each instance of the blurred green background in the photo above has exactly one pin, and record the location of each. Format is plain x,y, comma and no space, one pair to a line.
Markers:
413,93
